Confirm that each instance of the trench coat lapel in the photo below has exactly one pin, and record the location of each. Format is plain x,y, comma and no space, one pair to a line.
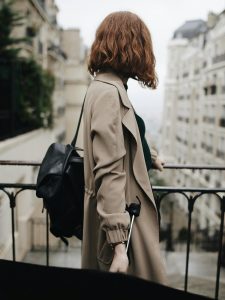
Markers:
129,121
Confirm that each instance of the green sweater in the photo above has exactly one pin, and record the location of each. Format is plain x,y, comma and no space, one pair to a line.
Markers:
146,149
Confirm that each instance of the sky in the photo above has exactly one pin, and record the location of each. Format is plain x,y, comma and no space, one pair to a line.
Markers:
162,17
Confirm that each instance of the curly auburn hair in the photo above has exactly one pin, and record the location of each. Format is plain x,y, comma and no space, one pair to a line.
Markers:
123,44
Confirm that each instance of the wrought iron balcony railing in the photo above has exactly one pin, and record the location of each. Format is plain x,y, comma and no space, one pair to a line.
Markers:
191,194
218,58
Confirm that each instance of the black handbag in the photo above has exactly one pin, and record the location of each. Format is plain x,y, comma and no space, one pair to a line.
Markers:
60,183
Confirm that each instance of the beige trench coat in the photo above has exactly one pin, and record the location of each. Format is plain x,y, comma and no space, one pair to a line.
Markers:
115,173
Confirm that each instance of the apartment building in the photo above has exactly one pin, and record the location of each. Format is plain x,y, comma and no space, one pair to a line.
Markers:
47,46
193,128
76,78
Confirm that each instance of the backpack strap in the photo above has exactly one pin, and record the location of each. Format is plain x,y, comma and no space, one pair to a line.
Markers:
73,143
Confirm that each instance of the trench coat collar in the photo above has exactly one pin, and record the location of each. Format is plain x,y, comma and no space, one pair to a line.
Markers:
129,121
112,78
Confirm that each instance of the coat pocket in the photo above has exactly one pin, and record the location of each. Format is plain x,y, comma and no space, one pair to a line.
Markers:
106,253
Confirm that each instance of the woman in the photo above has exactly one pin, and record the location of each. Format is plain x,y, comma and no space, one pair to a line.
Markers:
116,159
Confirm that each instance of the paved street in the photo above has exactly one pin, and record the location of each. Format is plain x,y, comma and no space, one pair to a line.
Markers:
202,268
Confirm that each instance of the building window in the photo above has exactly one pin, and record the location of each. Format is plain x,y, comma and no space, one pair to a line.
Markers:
178,138
204,65
30,32
40,47
222,118
205,90
223,89
208,148
196,71
207,177
222,122
210,120
42,3
218,184
213,89
220,154
218,58
60,111
221,146
210,90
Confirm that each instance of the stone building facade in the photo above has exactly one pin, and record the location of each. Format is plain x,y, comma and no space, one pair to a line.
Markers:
51,48
193,128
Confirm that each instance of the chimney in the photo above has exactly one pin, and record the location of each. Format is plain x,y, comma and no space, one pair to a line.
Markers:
212,19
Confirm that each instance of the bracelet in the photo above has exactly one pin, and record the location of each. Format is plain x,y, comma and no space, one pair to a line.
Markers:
113,245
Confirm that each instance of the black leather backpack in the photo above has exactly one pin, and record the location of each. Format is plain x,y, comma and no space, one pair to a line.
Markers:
60,183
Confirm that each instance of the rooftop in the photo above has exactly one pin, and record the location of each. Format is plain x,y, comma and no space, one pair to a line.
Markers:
190,29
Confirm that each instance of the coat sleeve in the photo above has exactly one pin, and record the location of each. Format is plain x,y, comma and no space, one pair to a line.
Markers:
154,154
109,174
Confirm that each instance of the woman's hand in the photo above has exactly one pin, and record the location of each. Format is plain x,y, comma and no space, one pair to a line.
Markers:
159,163
120,260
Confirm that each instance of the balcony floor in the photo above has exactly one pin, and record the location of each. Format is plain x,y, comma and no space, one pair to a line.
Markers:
202,268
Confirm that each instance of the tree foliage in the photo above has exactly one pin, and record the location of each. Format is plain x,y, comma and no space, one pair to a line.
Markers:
31,89
9,19
35,91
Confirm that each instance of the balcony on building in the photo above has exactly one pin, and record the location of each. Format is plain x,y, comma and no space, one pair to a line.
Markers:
218,58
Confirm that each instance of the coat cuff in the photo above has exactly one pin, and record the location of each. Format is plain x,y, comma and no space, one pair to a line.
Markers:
117,235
